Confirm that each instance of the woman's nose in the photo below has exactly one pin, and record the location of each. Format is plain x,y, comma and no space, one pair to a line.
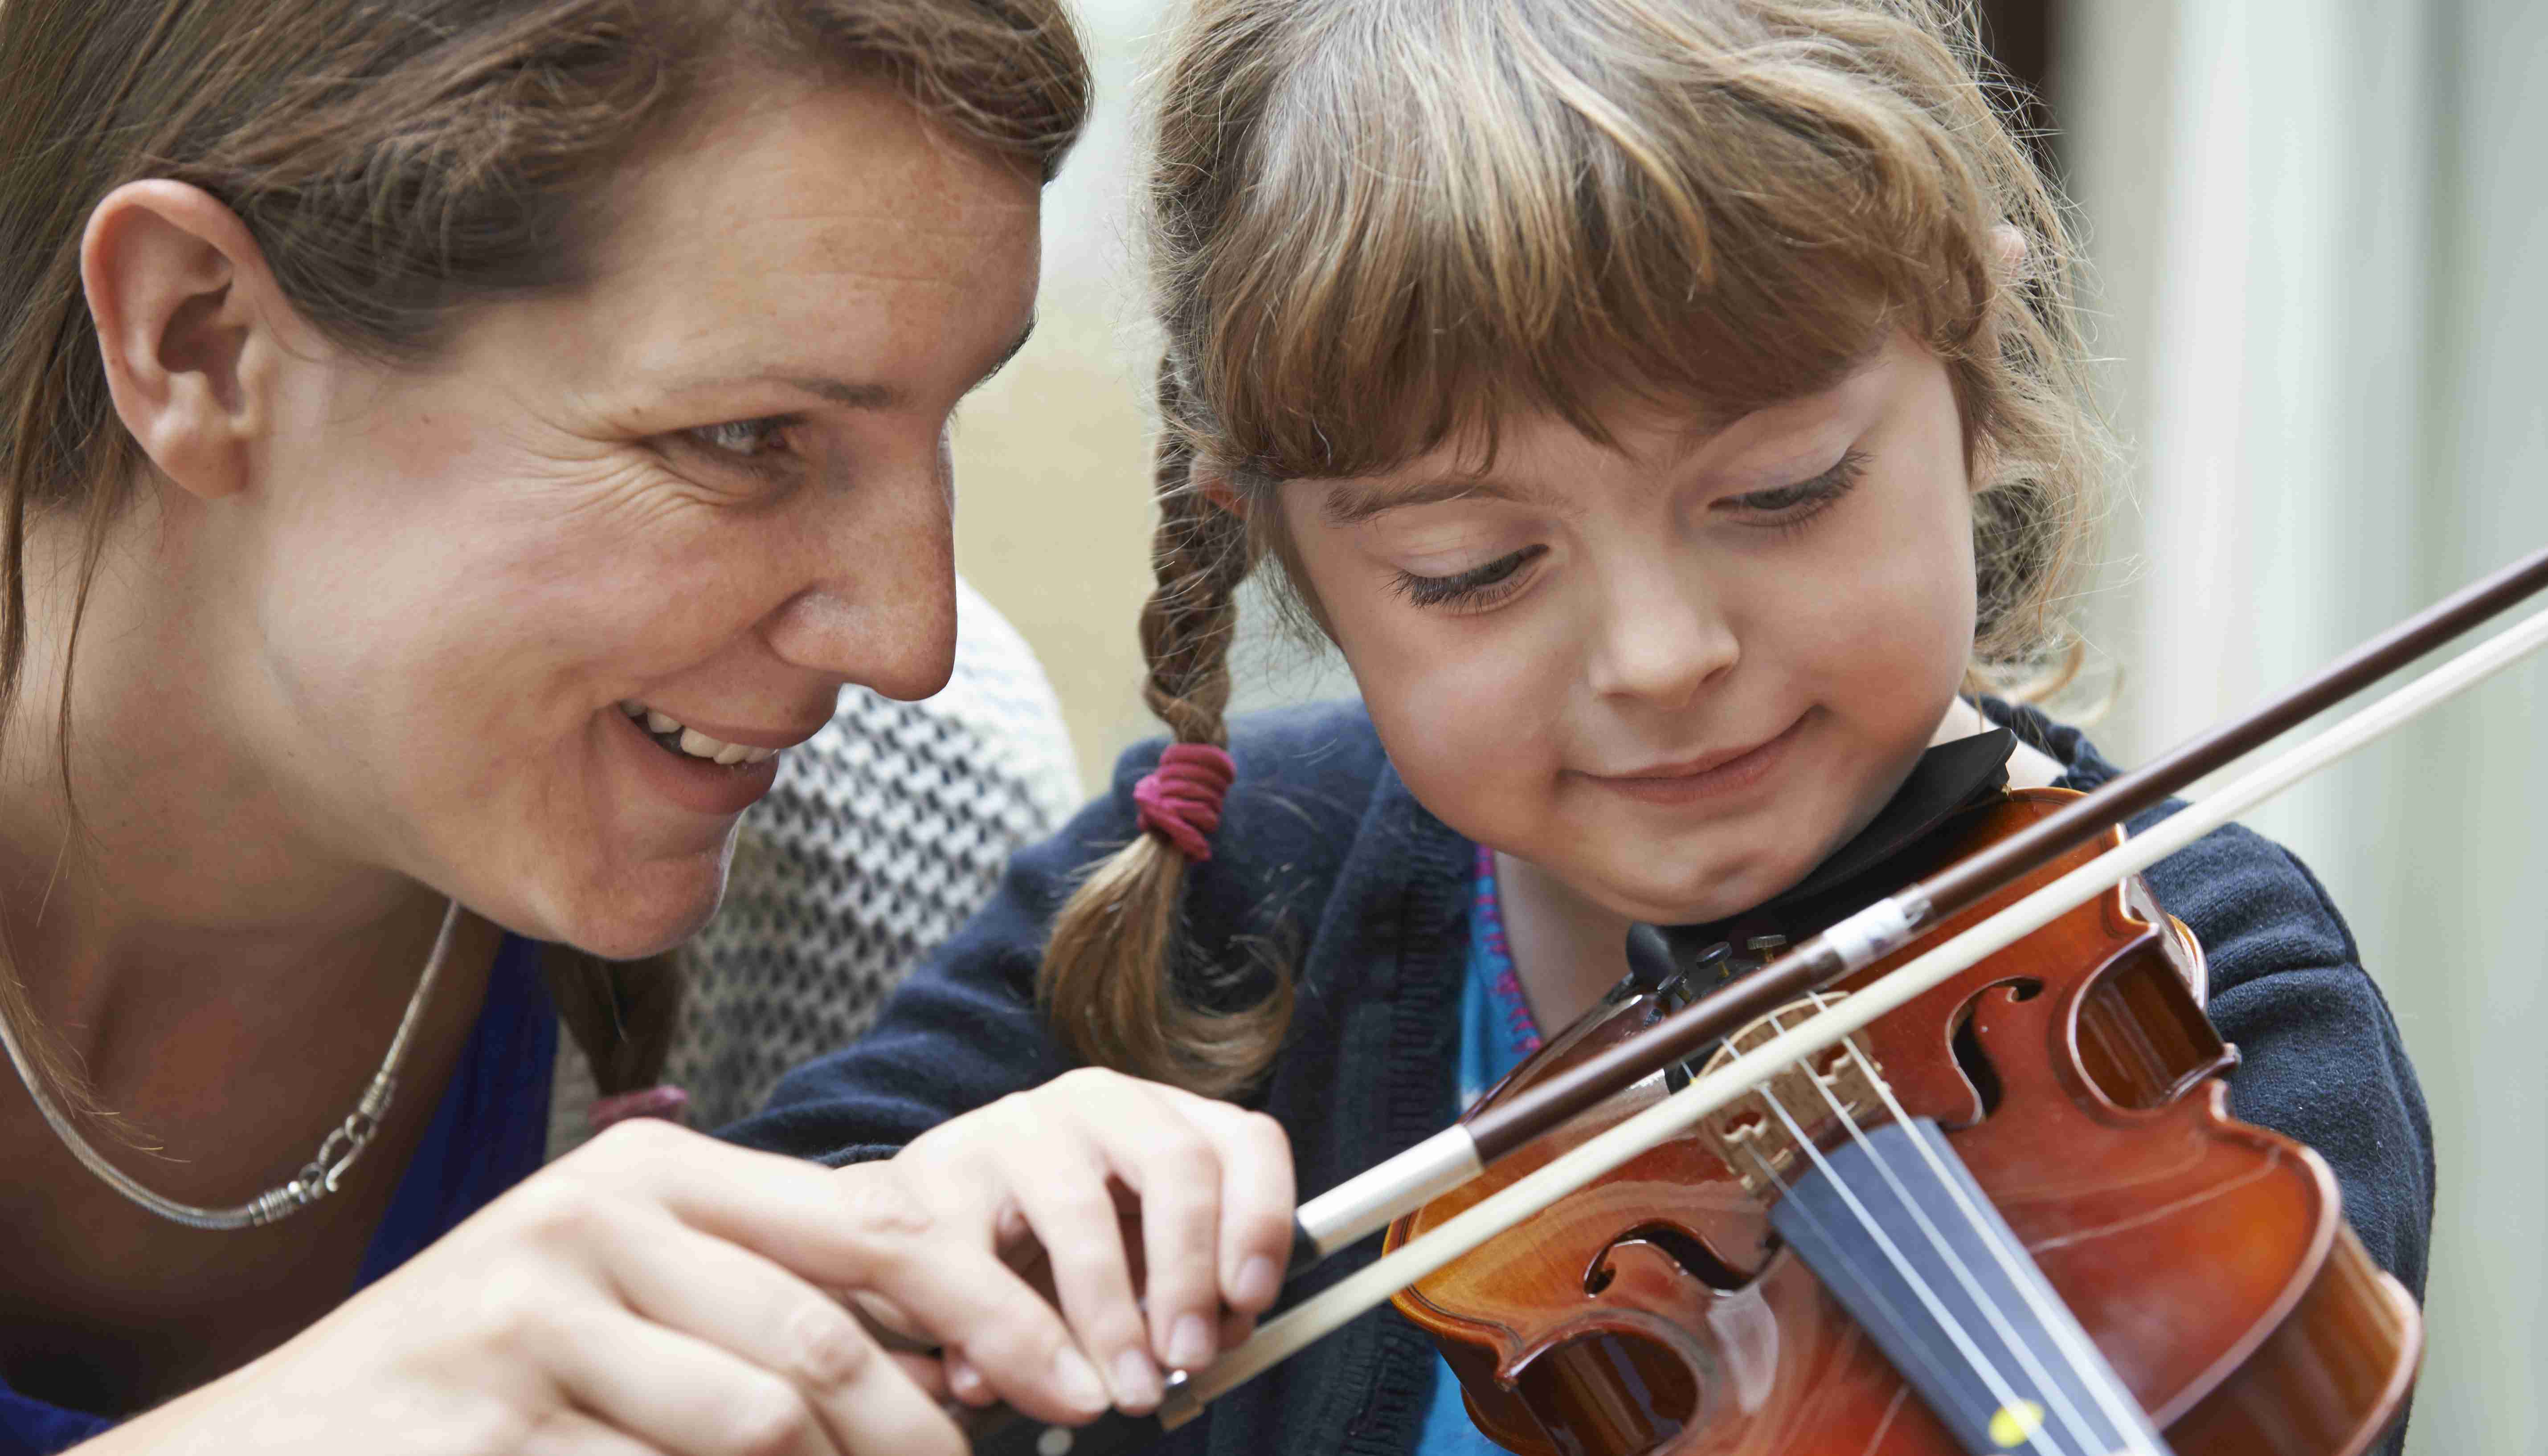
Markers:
880,609
1661,639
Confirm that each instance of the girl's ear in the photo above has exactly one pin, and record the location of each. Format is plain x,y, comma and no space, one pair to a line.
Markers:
2007,248
186,317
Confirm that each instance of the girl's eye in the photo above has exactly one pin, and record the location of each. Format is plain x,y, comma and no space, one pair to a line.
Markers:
1793,506
1473,589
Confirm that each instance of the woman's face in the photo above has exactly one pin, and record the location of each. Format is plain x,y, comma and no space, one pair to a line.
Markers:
710,487
1677,673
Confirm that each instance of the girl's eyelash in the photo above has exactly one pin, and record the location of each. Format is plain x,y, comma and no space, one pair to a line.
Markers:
1782,508
1790,506
1471,590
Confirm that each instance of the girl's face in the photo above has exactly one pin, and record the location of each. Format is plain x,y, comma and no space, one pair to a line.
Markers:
711,485
1676,674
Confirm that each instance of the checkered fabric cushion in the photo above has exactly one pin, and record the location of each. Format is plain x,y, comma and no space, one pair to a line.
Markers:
881,835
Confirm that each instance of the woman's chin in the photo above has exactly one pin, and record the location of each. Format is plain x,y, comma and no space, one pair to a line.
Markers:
644,913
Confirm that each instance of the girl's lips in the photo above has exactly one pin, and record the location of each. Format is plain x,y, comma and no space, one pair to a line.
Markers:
690,784
1723,777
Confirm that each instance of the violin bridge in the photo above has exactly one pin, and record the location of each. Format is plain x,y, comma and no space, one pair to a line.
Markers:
1759,1144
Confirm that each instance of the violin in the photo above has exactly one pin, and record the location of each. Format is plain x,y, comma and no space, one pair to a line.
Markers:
2013,1213
1723,1284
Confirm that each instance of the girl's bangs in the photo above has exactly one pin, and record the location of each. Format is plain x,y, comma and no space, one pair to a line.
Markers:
1449,222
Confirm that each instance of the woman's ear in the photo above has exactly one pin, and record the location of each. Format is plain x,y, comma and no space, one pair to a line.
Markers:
186,314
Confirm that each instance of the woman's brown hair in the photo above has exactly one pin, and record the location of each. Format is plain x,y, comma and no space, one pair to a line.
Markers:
398,163
1378,225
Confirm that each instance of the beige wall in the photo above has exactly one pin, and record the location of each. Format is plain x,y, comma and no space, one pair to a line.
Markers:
1052,515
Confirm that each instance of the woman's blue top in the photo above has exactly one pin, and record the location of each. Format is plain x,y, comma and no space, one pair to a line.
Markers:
489,1131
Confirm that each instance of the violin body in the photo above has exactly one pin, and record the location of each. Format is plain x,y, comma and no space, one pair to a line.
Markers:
2077,1078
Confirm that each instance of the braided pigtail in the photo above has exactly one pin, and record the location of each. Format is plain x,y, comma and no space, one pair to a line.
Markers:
622,1015
1109,981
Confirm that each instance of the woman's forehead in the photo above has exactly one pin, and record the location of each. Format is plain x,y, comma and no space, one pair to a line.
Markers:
833,239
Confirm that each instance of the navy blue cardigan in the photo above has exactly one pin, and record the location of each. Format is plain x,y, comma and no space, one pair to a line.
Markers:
1323,857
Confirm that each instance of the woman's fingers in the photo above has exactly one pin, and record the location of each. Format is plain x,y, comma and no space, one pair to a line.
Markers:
737,1300
570,1432
687,1397
861,1229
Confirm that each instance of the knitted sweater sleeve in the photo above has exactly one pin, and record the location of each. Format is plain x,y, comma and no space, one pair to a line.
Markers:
2320,1054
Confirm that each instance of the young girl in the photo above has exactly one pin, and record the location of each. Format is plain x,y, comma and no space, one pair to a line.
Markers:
1674,412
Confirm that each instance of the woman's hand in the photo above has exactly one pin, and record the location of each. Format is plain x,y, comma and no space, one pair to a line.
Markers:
656,1291
1139,1194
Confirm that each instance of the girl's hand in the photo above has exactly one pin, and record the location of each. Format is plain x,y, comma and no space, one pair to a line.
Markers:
656,1291
1139,1194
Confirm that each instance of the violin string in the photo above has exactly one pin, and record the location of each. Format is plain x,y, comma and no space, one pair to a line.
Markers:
2040,1437
2089,1366
2119,1405
1807,1214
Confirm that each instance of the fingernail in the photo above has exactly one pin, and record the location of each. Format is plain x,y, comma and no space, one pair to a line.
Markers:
1136,1381
1257,1283
1190,1343
963,1380
1079,1383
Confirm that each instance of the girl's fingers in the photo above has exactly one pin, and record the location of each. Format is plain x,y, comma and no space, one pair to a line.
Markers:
1256,1203
861,1229
1177,1169
686,1396
1059,1184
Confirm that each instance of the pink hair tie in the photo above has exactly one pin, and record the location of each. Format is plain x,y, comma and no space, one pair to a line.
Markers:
664,1101
1180,800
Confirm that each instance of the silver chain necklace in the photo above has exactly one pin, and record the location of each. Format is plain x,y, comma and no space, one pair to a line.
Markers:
318,1177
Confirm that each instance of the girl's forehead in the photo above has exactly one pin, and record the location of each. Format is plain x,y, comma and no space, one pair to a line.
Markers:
1658,426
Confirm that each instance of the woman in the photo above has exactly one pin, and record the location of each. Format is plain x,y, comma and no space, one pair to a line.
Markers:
412,409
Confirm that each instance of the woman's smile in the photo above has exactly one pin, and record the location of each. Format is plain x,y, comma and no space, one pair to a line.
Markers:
695,771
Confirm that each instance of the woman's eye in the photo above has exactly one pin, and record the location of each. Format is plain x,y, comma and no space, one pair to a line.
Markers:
745,439
1473,589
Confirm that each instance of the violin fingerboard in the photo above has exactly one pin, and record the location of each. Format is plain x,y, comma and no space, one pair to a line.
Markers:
1898,1231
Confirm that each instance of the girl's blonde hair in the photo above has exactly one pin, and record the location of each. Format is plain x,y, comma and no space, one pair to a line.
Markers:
1376,225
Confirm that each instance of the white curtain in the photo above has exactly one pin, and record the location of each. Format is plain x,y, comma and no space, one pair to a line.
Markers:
2324,248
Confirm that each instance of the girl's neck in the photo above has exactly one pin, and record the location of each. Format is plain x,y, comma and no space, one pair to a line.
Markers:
1569,950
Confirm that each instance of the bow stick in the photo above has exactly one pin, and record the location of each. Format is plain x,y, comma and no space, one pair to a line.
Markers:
1370,1201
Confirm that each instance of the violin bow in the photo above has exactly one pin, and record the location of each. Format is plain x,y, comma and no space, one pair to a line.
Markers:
1370,1201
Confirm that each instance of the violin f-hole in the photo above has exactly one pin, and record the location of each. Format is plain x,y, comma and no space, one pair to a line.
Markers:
1966,1042
1691,1254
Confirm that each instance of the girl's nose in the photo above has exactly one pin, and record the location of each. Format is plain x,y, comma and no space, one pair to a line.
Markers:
1660,641
880,607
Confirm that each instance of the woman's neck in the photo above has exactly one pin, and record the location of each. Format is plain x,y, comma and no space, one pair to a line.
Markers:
156,865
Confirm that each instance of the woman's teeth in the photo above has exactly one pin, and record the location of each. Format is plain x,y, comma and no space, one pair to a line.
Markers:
667,730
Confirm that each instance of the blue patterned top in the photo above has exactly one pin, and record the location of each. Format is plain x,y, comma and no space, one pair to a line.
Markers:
1497,1032
489,1133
